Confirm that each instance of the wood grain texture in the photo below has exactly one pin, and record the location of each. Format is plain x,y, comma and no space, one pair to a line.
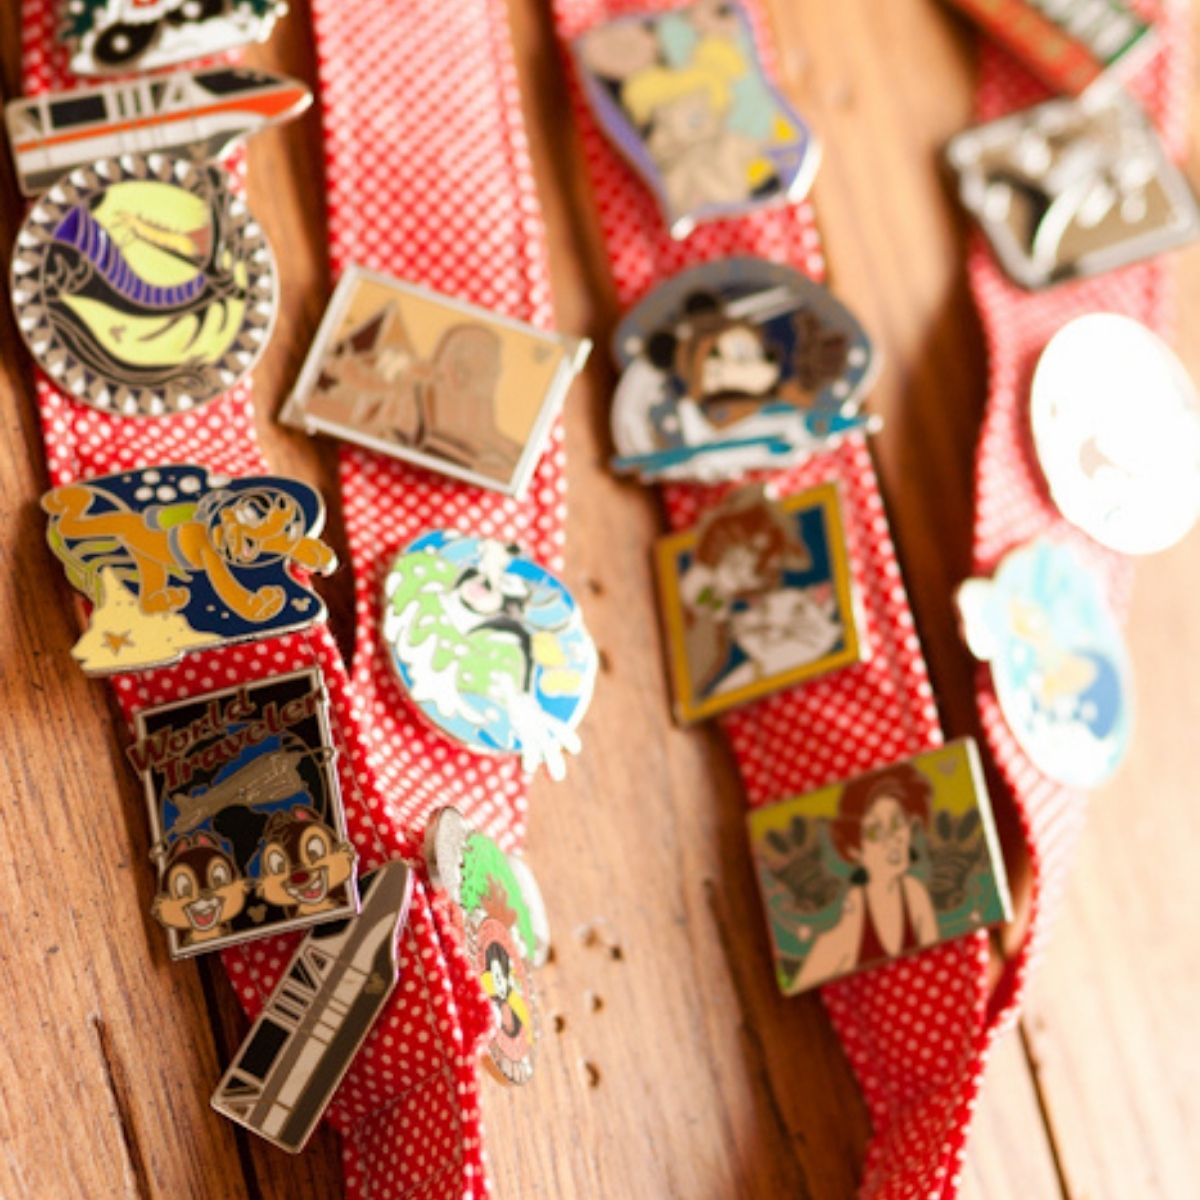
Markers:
671,1066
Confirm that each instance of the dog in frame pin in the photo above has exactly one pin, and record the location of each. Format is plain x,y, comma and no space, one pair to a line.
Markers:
684,97
738,365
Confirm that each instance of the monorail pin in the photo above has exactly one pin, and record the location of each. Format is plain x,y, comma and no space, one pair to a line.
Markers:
116,37
684,97
435,382
756,598
490,647
246,819
502,910
1059,664
143,286
200,114
174,559
735,366
287,1070
1066,189
1116,424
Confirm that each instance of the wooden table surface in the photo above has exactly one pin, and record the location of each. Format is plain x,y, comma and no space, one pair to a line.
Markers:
671,1066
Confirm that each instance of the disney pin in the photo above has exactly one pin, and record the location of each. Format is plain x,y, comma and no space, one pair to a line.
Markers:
502,910
1071,45
878,867
490,647
246,819
1116,424
1067,189
735,366
116,37
1058,661
433,381
176,559
287,1070
142,285
756,598
684,97
187,113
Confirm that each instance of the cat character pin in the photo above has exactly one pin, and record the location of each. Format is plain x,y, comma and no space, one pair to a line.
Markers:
246,819
1066,189
755,599
878,867
1058,661
287,1070
142,285
434,382
197,114
175,559
505,930
117,37
683,96
1116,425
490,647
738,365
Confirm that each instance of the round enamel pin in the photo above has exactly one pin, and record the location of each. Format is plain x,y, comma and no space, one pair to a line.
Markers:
142,285
735,366
490,647
1116,423
1058,660
505,928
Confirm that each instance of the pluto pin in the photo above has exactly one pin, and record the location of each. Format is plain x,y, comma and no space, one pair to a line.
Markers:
1065,189
490,647
1058,660
142,285
175,559
246,818
735,366
1116,424
190,114
288,1068
505,928
111,37
684,97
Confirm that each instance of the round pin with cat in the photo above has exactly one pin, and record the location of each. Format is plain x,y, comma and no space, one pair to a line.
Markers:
1059,664
1116,424
490,647
143,286
735,366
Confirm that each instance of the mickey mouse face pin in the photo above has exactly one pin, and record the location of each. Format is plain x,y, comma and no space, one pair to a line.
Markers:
735,366
490,647
683,96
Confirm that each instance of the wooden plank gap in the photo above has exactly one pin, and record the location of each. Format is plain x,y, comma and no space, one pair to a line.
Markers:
116,1079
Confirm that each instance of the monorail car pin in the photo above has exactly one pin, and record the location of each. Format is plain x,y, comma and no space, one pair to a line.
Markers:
201,114
116,37
320,1013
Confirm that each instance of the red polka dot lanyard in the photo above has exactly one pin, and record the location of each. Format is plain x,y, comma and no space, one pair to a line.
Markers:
918,1031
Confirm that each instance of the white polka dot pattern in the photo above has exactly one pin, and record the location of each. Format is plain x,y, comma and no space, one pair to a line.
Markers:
918,1031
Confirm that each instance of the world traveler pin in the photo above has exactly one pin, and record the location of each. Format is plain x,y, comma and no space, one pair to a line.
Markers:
878,867
735,366
1116,425
1058,661
502,910
435,382
116,37
142,285
684,97
176,559
288,1068
187,113
756,598
1067,189
490,647
246,820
